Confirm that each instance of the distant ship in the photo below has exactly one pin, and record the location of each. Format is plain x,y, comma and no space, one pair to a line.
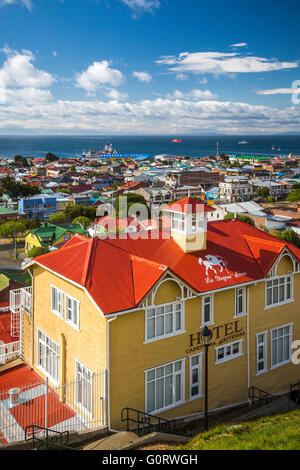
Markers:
176,140
243,142
108,150
273,147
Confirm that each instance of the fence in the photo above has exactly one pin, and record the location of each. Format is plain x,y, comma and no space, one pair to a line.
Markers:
75,406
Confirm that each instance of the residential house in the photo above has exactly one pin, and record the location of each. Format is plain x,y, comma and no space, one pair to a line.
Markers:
51,235
135,308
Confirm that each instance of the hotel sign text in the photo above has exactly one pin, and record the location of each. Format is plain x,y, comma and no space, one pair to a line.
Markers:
221,334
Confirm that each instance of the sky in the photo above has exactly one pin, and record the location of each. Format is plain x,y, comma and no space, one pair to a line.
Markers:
149,67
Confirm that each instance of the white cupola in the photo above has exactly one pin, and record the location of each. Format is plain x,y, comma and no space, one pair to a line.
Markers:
189,223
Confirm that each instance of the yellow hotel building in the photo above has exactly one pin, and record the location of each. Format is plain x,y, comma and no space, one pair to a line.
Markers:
135,306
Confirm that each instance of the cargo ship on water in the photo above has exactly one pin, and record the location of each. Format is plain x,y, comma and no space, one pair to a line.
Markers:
108,150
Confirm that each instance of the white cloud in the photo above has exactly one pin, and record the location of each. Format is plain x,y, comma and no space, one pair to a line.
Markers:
97,74
155,116
27,3
202,81
221,63
181,76
54,53
239,44
196,94
139,5
18,71
115,94
279,91
30,96
143,76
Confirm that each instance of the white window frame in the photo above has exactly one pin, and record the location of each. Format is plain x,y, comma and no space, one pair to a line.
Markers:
229,357
165,306
211,297
263,344
199,368
178,222
68,320
61,294
237,296
283,363
174,373
85,410
286,300
54,378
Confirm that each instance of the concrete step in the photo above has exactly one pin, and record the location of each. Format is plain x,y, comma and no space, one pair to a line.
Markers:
282,405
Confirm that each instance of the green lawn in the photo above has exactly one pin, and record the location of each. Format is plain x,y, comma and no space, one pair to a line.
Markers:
279,432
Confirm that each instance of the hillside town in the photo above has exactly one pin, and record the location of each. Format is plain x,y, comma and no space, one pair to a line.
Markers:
161,246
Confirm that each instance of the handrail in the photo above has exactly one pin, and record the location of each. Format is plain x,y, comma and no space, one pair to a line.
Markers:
255,393
43,442
146,422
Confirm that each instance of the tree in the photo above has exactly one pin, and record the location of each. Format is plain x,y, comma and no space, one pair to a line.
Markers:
263,192
242,217
294,196
122,210
14,189
288,235
12,229
59,217
51,157
37,251
71,212
81,220
20,160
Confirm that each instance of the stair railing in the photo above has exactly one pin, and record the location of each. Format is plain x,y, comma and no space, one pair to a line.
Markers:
146,423
263,397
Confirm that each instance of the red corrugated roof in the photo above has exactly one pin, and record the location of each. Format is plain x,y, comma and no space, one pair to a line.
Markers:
119,272
188,205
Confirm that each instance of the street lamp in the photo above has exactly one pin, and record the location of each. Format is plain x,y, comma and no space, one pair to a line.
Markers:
206,338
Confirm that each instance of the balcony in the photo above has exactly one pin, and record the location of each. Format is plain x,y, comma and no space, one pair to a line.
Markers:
21,300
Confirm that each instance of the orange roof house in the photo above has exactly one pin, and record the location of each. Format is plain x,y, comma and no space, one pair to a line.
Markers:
118,272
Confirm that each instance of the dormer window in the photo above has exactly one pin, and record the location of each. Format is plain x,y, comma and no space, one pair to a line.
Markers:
197,223
178,221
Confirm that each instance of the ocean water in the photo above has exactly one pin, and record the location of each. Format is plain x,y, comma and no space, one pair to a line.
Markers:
192,146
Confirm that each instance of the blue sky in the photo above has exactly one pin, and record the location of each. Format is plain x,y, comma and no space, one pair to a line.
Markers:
149,66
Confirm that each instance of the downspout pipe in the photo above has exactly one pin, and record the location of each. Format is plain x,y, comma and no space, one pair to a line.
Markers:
32,310
248,338
108,373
